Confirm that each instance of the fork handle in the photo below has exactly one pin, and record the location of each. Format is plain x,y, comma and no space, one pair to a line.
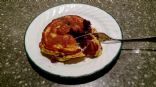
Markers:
149,39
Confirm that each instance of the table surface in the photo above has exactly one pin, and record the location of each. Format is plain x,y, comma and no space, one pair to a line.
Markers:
134,67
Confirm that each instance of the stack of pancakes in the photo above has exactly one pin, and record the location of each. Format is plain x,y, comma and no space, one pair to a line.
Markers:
58,39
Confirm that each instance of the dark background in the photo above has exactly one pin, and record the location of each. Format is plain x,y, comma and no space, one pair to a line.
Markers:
134,68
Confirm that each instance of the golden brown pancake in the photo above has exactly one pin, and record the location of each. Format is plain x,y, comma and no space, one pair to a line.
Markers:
58,39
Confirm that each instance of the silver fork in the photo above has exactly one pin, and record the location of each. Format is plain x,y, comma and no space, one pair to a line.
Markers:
103,38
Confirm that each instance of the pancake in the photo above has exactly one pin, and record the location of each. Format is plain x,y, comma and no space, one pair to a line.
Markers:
58,39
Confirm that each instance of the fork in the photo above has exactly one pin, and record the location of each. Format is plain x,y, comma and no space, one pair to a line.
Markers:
102,37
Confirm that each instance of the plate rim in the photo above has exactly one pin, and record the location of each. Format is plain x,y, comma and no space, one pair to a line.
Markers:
72,77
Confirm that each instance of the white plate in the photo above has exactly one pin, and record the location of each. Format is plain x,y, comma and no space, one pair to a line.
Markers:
100,20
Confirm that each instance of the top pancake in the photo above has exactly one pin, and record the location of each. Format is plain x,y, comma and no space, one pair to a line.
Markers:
56,35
